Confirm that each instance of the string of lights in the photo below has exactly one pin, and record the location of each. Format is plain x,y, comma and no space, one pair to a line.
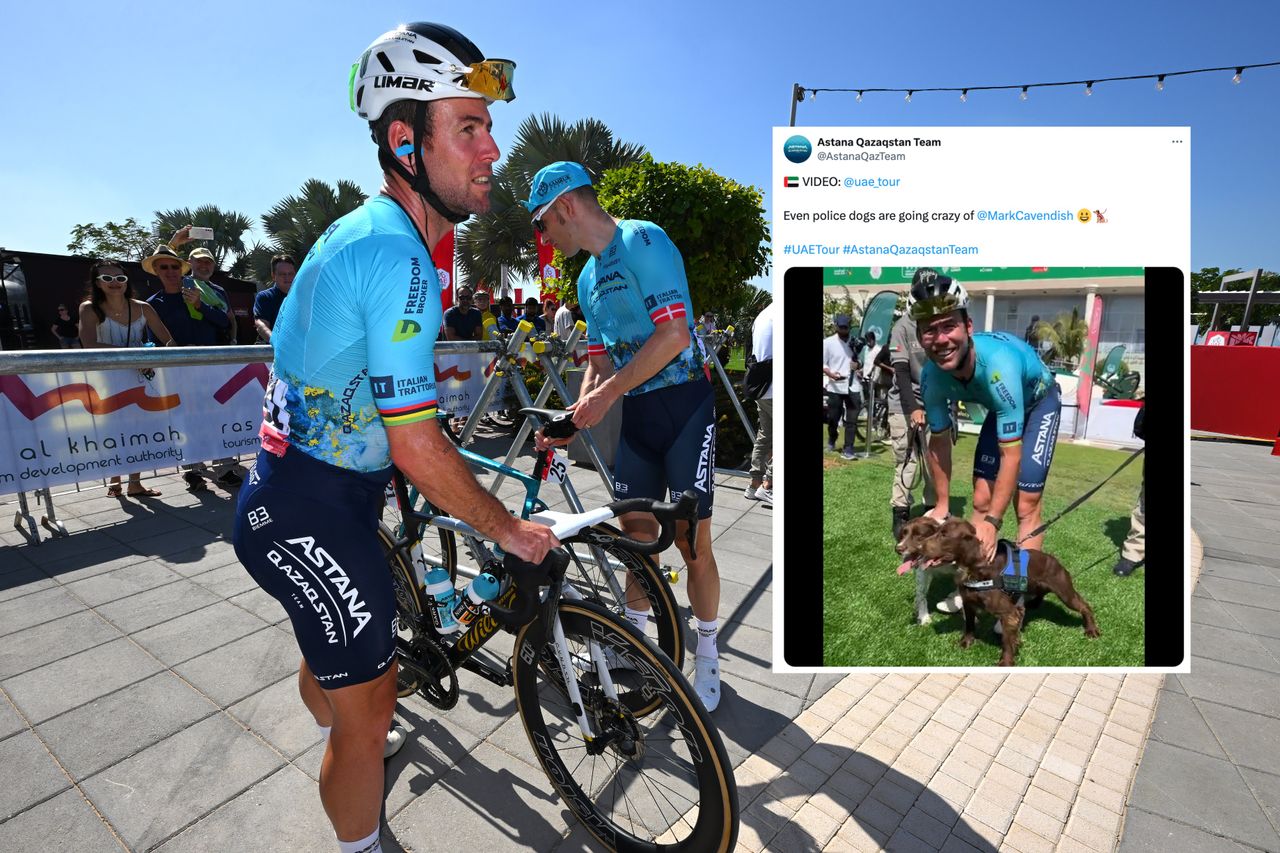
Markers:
798,91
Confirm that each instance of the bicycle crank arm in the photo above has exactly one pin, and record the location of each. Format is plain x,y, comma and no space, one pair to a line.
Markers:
500,677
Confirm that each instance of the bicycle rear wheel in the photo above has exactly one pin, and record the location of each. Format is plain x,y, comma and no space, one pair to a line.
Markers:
658,781
409,606
606,584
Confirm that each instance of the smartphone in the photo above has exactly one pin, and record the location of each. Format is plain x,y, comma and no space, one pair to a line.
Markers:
200,232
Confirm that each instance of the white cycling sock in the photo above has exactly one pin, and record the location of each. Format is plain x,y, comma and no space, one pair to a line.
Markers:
707,638
324,731
371,844
639,618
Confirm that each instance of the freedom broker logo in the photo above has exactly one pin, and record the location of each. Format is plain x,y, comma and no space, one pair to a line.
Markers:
797,149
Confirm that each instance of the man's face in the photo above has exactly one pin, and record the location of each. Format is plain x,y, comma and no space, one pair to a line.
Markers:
202,268
557,232
946,340
282,275
464,299
169,271
460,153
843,332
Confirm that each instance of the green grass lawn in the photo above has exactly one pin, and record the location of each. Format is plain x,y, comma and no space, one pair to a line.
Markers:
869,610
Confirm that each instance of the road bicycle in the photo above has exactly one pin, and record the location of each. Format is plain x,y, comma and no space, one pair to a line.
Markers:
599,565
615,725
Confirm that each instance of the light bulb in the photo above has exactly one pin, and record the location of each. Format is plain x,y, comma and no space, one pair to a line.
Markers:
1088,88
1160,83
909,93
813,94
1236,79
964,95
859,99
1023,96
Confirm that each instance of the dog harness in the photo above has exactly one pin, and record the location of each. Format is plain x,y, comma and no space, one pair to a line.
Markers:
1013,580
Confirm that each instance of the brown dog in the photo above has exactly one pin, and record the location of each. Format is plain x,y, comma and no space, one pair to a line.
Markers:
956,541
911,548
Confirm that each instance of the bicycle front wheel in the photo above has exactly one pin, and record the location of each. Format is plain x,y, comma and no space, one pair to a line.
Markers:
602,572
657,781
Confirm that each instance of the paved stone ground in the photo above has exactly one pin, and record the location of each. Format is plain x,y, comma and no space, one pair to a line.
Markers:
1208,779
149,702
148,698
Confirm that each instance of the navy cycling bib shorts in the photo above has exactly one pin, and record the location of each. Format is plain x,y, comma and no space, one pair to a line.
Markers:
307,533
1039,437
668,441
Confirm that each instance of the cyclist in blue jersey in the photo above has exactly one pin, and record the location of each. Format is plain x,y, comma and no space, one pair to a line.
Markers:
641,348
353,391
1004,374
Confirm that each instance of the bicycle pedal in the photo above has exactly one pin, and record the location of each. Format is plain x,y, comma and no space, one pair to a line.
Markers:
673,574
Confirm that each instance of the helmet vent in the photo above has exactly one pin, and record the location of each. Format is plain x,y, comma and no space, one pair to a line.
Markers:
359,95
386,63
425,58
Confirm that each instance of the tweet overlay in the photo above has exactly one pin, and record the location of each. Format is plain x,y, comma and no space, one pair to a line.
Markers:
985,297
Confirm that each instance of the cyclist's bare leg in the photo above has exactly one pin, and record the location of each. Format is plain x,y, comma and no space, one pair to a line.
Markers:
644,527
352,774
704,574
982,495
313,696
1029,519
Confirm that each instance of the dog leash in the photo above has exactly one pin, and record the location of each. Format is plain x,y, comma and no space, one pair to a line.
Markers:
1082,498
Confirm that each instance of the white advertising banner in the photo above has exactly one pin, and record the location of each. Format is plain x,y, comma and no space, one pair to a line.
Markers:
60,428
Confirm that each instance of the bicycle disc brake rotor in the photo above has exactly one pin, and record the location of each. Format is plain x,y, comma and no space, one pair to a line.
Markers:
618,729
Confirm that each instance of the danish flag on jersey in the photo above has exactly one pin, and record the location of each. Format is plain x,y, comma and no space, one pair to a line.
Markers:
667,312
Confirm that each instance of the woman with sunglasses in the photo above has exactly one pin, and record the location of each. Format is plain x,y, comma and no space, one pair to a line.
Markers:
65,329
111,317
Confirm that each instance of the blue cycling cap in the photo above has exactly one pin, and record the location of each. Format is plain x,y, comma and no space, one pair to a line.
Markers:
553,181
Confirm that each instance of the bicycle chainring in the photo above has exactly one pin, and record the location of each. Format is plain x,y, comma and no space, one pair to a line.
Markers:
441,687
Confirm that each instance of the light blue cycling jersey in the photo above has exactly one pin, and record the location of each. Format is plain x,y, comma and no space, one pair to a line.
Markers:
1008,379
354,342
637,282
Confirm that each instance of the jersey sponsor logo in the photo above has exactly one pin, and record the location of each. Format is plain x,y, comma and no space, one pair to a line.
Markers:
616,275
348,424
383,387
644,235
416,385
650,302
1010,428
417,301
403,81
619,487
706,457
988,460
1002,392
258,517
331,677
1042,440
405,329
338,578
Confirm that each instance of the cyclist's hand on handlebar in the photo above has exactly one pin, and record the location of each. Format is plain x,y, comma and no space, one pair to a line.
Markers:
528,541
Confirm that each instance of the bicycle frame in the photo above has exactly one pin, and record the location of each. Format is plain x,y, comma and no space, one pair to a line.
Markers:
461,655
532,504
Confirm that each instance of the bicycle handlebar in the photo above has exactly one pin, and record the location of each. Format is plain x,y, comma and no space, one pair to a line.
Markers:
685,509
527,577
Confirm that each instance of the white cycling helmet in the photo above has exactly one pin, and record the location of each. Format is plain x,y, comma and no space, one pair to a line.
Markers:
425,62
933,295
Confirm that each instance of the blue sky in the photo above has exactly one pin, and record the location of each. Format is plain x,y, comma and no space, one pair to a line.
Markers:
116,114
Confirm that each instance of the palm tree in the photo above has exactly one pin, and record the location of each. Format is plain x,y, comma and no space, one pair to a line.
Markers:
504,236
297,221
228,228
1067,337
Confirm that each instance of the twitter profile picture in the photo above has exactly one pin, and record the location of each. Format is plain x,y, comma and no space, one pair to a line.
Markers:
797,149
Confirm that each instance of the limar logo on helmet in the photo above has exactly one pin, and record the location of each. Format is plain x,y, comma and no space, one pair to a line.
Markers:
414,83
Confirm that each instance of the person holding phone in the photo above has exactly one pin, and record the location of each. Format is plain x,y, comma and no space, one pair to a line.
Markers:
111,317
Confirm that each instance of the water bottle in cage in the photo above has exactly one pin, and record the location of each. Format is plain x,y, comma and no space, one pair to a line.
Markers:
442,598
